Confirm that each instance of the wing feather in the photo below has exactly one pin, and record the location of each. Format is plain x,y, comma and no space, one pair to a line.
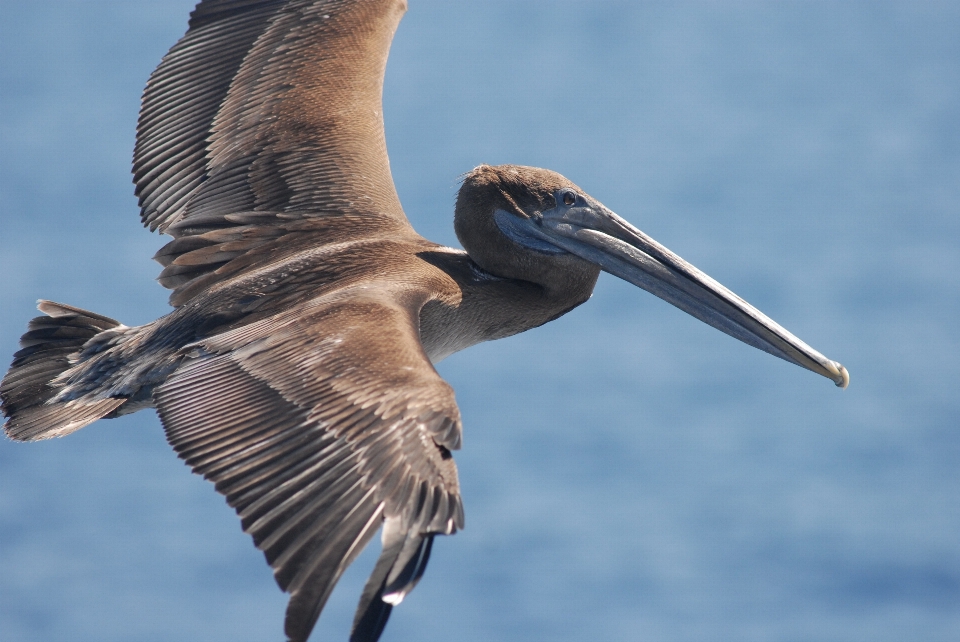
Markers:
317,427
269,106
261,110
197,70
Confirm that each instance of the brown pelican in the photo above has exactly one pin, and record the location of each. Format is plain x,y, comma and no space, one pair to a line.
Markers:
296,368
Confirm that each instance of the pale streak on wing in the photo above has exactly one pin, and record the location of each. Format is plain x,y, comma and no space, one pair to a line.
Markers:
263,113
317,425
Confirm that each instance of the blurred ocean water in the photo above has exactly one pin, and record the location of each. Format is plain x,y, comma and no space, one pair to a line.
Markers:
628,473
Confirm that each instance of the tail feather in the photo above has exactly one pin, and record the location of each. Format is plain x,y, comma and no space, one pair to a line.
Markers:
51,346
57,420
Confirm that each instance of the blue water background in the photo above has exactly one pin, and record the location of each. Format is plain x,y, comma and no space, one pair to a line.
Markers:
629,473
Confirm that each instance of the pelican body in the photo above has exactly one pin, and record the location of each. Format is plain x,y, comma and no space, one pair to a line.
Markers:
295,371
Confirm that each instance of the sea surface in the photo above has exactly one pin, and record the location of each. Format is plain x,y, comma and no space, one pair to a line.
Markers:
629,473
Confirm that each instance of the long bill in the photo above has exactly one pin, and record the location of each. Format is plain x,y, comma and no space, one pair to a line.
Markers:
596,234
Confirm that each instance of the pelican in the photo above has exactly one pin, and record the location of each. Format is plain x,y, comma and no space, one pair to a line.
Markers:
295,370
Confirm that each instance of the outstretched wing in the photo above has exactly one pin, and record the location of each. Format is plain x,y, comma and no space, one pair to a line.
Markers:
319,426
265,112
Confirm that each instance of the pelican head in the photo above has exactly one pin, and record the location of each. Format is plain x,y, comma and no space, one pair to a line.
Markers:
535,225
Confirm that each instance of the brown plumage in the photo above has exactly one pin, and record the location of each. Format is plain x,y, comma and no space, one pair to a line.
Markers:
295,371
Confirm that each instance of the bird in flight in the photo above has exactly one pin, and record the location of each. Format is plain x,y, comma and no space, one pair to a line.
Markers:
295,370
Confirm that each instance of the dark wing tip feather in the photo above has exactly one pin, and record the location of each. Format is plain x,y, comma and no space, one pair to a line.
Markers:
398,570
213,10
371,621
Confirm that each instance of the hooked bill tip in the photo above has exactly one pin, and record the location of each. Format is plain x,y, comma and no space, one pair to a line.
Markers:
844,376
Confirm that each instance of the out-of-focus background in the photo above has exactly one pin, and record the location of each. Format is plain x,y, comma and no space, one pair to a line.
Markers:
628,473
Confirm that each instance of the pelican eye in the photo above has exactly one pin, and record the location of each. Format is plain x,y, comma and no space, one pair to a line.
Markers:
569,198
